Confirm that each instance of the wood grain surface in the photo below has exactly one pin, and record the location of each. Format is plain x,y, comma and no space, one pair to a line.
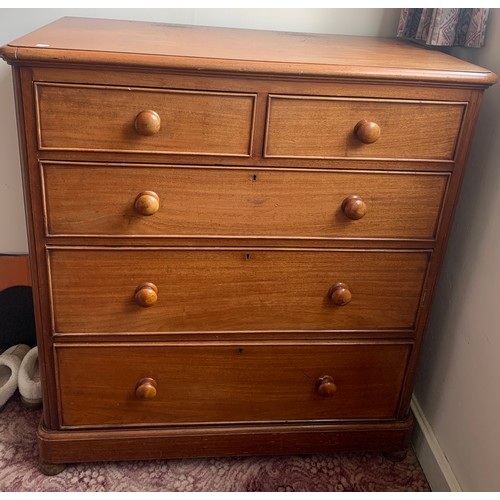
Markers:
207,290
102,41
324,127
191,122
90,199
243,383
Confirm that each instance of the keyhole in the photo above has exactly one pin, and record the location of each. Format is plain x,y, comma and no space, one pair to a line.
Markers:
254,177
247,256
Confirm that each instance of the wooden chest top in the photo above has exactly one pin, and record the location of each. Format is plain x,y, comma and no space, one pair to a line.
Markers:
85,40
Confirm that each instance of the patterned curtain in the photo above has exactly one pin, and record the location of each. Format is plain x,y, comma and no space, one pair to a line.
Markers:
444,27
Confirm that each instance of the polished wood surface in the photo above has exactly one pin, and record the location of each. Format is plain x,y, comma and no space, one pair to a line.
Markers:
147,203
224,383
234,290
234,202
191,122
302,127
68,446
101,41
235,236
146,388
326,386
146,294
354,207
147,122
340,295
367,132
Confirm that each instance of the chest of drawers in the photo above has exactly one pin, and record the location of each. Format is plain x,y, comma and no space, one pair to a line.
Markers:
235,235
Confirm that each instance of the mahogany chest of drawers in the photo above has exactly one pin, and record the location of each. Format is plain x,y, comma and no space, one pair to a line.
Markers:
235,235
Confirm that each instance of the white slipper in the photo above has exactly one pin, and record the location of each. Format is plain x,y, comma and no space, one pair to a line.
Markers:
10,361
29,380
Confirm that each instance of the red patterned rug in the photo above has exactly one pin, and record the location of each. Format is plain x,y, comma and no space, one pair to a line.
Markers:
337,472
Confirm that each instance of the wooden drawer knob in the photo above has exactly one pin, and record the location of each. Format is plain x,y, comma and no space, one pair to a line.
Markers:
326,386
354,207
340,295
146,388
146,294
367,132
147,122
147,203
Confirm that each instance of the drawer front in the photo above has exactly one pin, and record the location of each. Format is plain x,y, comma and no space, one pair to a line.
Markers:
82,199
322,127
122,290
134,385
127,119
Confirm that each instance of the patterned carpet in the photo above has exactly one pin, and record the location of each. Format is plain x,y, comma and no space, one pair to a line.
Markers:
339,472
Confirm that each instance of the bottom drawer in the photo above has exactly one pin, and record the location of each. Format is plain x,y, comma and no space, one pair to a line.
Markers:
109,385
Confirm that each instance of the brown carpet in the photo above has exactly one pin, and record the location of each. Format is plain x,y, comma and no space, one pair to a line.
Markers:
336,472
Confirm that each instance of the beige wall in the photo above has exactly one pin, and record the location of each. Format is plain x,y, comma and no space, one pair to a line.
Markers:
458,386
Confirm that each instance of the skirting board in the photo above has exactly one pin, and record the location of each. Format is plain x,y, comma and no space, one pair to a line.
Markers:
430,455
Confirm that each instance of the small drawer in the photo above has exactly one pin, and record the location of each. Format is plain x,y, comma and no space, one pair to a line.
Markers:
109,385
102,290
328,127
140,200
128,119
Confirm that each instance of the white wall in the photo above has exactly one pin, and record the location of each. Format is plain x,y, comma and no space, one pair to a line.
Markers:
458,386
17,22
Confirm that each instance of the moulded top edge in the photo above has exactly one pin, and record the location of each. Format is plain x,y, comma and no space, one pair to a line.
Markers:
201,48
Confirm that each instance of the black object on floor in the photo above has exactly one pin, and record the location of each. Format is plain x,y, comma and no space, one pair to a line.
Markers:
17,318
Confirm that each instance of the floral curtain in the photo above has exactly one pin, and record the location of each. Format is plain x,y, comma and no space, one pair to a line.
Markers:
444,27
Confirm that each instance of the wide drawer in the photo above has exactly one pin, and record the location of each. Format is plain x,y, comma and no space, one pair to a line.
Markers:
86,199
122,290
128,119
159,384
327,127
